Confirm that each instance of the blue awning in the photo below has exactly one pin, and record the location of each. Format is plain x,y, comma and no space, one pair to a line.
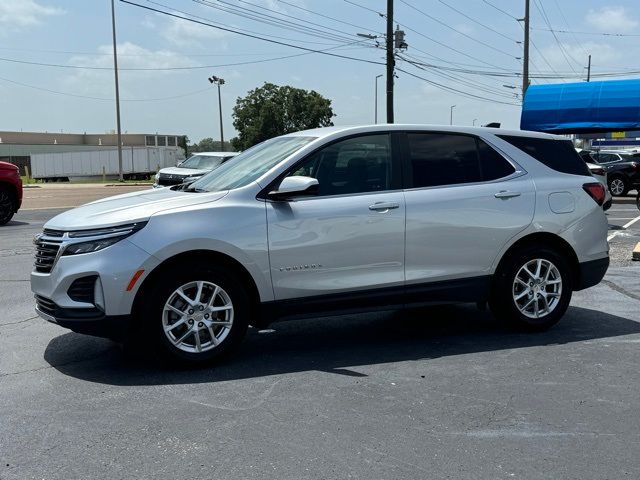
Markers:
584,107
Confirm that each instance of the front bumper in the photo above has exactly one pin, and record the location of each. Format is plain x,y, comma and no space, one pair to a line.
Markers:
592,273
114,266
87,321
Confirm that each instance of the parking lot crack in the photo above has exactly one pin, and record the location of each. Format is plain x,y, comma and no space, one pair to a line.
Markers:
621,290
19,321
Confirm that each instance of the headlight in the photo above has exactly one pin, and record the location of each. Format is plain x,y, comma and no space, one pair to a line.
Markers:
102,238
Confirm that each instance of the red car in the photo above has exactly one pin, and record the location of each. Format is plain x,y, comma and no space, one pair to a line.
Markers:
10,191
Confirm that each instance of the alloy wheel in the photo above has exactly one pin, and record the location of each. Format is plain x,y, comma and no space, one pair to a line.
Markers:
617,186
537,288
197,317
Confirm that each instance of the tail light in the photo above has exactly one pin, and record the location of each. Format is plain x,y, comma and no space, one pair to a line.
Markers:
595,191
597,171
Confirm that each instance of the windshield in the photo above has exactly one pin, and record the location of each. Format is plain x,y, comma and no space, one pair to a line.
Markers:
250,164
203,162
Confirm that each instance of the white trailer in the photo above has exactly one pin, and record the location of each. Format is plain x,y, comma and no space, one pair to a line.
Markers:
137,163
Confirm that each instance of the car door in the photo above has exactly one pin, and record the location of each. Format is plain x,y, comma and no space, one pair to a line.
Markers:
349,235
464,202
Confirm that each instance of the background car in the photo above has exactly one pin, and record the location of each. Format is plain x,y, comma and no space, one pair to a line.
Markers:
192,168
623,169
10,191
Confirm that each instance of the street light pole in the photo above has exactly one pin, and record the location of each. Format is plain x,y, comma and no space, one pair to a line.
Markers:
451,114
219,81
474,122
376,99
115,72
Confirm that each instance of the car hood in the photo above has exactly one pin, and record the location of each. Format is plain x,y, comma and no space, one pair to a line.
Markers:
128,208
183,171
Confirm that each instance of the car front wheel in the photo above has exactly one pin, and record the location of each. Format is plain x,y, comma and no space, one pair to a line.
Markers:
197,315
532,289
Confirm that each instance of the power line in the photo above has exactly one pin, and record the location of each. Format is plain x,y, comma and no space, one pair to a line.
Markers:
327,16
257,37
499,9
477,22
604,34
565,54
365,8
67,94
275,21
453,90
567,24
458,31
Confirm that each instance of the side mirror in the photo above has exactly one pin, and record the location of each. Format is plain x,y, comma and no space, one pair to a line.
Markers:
292,186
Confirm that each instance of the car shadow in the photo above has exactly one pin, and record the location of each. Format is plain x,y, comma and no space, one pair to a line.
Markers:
337,345
15,223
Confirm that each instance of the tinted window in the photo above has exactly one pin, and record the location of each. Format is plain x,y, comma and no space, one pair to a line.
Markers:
556,154
356,165
493,165
442,159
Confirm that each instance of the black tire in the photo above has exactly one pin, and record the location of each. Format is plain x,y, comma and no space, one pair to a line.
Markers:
502,301
625,184
7,205
161,291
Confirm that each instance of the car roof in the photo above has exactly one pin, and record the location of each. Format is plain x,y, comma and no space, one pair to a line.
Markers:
326,131
217,154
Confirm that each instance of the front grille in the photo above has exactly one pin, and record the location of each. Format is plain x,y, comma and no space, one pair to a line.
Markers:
165,179
46,254
81,290
46,306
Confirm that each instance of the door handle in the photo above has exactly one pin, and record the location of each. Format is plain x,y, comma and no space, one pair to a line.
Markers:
507,194
383,206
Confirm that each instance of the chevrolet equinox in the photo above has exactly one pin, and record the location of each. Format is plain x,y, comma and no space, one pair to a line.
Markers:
332,220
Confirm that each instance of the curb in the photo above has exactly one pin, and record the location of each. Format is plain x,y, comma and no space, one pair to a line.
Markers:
636,252
30,186
128,185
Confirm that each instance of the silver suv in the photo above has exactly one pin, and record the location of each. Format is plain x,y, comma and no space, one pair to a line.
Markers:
326,221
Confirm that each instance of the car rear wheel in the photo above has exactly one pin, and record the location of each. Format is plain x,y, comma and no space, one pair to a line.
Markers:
196,316
618,186
7,205
532,289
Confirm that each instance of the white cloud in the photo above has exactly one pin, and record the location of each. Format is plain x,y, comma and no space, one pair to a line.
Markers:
611,19
15,14
604,56
182,32
99,82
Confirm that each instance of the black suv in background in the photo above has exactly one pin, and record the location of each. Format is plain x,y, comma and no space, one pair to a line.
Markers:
623,169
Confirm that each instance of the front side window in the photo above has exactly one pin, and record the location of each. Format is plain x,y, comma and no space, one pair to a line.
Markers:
355,165
443,159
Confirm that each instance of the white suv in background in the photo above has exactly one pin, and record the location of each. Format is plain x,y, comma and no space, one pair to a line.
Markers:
338,219
194,167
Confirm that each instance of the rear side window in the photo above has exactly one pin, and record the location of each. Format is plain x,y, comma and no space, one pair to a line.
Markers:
449,159
441,159
494,165
556,154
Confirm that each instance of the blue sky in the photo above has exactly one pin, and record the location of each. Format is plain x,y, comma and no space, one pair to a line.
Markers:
477,38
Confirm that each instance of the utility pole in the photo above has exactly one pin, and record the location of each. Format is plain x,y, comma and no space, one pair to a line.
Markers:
525,62
376,100
390,61
589,70
219,81
451,114
115,71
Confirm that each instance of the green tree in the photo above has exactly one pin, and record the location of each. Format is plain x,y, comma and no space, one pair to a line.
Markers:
210,145
183,143
271,110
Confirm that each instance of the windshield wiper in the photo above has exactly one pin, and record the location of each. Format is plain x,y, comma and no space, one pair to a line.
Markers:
194,190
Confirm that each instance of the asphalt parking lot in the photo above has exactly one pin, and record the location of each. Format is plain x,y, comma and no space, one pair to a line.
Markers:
431,393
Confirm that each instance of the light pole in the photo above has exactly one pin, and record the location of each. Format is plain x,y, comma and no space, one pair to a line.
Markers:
376,98
451,114
474,121
115,72
219,81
